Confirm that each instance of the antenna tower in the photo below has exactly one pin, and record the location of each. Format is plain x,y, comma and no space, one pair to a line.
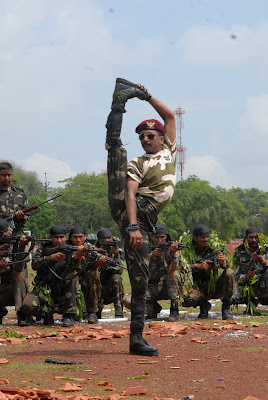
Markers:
180,149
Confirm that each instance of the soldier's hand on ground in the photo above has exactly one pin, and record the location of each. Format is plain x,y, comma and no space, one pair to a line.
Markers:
19,214
251,273
79,253
221,257
135,239
205,265
58,257
23,241
156,252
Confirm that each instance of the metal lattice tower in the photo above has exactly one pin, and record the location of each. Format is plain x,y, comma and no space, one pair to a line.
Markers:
180,149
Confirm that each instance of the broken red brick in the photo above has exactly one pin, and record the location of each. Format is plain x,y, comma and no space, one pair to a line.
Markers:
259,336
103,383
134,391
221,386
251,398
70,387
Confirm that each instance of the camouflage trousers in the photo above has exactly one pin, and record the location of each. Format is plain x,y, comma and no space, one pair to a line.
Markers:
14,293
165,288
64,293
91,287
137,259
260,290
112,290
224,289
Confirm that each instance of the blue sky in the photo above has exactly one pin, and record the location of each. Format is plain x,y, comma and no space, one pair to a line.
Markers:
59,60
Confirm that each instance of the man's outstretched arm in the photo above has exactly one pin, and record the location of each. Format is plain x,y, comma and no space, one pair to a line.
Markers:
167,115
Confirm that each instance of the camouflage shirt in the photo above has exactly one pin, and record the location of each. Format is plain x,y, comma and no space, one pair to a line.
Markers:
244,261
156,174
49,270
11,201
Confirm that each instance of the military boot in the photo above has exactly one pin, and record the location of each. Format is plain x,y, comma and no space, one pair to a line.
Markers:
92,318
152,309
138,344
68,319
3,312
205,306
118,311
48,319
125,90
22,319
225,309
174,311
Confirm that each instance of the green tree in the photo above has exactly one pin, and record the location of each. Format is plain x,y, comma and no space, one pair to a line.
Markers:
84,201
195,202
41,220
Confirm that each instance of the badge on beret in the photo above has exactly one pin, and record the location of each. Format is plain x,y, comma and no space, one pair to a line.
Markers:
150,124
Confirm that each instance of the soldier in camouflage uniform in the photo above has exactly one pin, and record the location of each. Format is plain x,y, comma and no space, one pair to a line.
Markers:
112,290
13,277
251,261
56,285
12,199
138,193
89,275
224,286
164,277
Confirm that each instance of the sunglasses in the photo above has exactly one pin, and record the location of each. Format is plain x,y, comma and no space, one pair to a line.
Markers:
149,136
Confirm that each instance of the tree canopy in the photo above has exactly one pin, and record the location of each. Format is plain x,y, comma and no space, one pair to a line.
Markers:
84,201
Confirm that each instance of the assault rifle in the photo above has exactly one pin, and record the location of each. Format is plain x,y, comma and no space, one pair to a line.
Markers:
6,266
32,207
165,247
213,257
108,245
16,239
68,249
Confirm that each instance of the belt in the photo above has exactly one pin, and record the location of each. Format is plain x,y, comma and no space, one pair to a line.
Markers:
145,205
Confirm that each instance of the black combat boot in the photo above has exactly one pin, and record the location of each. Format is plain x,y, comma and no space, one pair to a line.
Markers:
152,309
22,319
118,311
174,311
225,309
125,90
68,319
48,319
92,318
138,345
3,312
205,306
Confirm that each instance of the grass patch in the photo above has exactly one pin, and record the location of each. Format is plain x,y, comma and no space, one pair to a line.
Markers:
10,333
43,367
252,348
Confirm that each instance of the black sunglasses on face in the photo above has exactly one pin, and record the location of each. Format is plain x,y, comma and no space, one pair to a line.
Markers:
149,136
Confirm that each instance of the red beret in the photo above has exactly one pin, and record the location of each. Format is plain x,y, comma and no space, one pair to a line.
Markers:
150,124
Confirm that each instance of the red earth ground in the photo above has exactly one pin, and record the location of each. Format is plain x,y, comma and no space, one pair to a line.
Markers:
210,360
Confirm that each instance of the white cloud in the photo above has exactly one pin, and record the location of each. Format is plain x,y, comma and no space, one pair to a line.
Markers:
56,170
209,169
